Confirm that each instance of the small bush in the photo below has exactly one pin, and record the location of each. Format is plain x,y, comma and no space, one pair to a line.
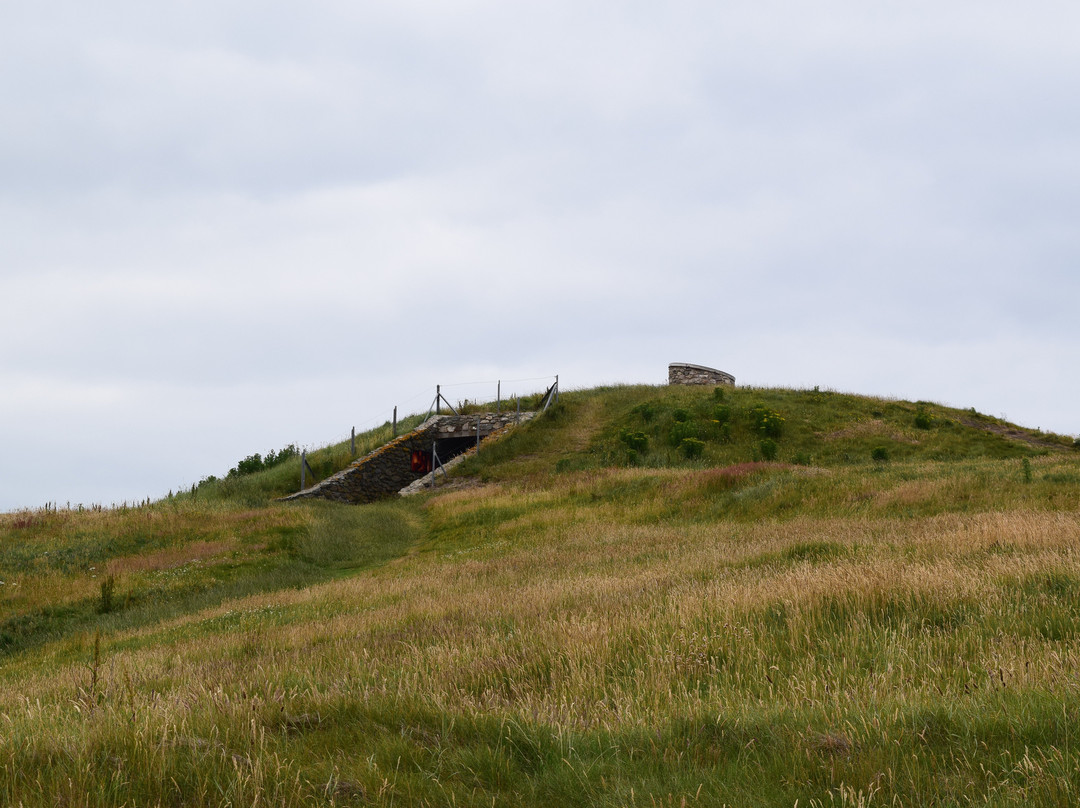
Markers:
276,458
105,605
647,411
802,459
718,393
680,431
692,447
923,420
723,433
768,449
721,413
249,465
1076,443
879,454
765,421
635,441
680,415
1025,469
256,462
632,457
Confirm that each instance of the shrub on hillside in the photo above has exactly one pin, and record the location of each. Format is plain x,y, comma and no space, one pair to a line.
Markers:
768,448
256,462
692,447
923,420
879,454
680,431
765,421
108,586
680,415
721,413
723,432
635,441
249,465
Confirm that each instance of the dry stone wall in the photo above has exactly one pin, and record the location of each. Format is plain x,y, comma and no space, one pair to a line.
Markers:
465,426
388,469
685,373
431,479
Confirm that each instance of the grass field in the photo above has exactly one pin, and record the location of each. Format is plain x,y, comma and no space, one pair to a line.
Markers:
593,612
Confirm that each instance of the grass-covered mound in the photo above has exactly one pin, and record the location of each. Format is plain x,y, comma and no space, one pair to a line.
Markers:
581,618
713,427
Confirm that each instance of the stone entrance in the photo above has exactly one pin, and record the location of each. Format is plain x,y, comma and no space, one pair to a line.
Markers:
393,466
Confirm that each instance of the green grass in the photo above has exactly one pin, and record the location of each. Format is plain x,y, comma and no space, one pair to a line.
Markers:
175,559
283,479
823,429
570,625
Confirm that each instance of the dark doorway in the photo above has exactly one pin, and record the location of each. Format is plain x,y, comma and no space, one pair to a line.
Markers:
448,448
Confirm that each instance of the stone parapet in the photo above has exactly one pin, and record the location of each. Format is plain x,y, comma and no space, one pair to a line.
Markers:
465,426
685,373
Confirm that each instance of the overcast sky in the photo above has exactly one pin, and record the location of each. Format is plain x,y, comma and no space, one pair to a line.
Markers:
227,226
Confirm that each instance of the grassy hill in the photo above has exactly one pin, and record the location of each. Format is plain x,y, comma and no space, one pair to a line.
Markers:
648,596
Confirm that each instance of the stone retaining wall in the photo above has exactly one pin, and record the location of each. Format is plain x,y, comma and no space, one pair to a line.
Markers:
431,479
388,469
685,373
465,426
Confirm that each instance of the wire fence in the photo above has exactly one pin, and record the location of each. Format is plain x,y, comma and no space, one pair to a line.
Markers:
497,391
440,399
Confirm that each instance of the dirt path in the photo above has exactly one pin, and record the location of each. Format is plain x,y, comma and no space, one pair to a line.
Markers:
1012,433
589,420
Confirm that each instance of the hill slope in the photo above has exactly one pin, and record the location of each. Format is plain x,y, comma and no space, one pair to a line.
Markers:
648,596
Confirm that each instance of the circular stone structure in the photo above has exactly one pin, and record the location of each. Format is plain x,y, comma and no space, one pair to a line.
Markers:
685,373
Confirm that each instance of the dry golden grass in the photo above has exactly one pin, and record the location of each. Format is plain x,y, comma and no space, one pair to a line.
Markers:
575,603
758,634
175,556
48,586
875,428
49,558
